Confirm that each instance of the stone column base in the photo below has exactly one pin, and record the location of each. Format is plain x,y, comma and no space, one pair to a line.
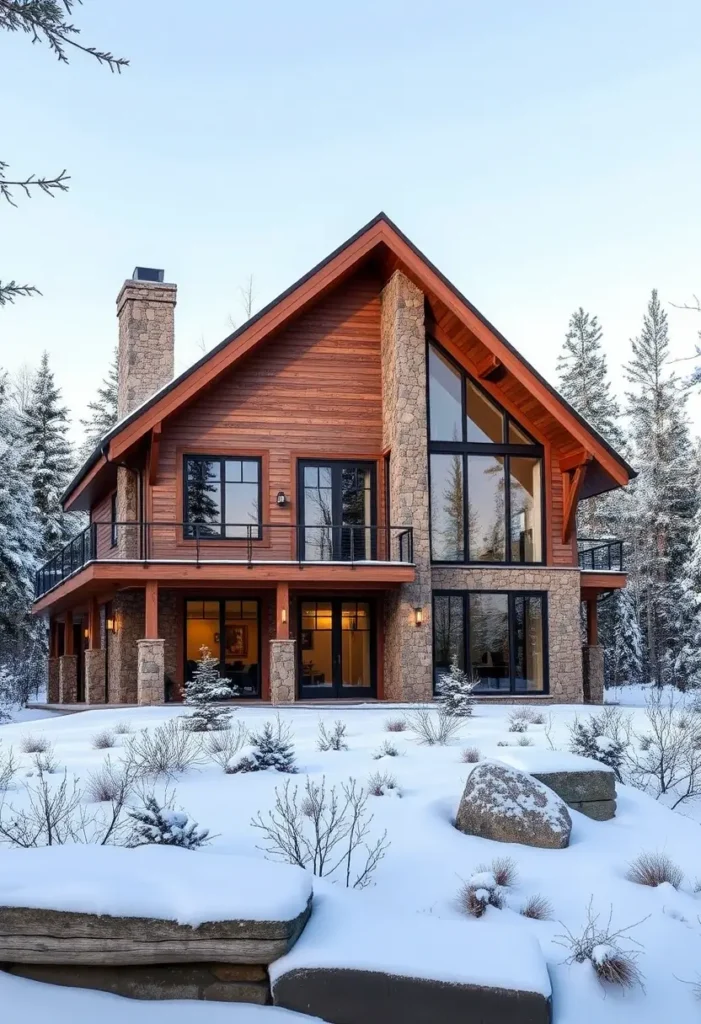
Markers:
68,679
593,674
283,671
95,677
150,673
52,687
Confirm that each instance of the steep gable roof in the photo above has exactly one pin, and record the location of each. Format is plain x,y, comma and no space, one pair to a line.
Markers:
380,237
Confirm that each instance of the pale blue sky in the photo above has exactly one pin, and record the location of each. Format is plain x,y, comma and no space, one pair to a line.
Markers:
543,154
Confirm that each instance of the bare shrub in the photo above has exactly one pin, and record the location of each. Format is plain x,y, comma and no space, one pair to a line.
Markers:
122,728
46,762
8,768
395,725
537,718
537,908
334,739
548,730
104,739
503,869
479,892
470,755
221,747
503,743
382,783
386,749
34,743
166,751
524,741
601,946
653,869
517,720
434,728
107,782
668,760
323,830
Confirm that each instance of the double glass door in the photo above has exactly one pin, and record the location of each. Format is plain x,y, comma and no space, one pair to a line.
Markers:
336,648
337,511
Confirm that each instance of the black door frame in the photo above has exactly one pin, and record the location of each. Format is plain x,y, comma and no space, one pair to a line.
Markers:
222,633
337,467
337,691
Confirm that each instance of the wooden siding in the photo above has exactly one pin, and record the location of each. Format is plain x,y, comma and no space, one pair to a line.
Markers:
314,391
102,513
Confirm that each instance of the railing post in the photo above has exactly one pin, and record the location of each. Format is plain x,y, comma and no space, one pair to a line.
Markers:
352,539
197,542
249,545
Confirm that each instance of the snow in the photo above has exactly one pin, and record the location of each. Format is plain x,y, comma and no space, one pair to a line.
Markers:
536,759
148,882
347,933
428,860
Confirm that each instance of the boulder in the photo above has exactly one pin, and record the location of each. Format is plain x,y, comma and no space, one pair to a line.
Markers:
503,803
585,785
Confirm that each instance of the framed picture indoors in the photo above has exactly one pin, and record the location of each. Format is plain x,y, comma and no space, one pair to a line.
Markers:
236,641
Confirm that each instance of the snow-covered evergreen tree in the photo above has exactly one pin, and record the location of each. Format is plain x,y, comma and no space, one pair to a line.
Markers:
455,690
625,652
583,376
204,692
102,411
49,458
590,738
272,748
162,826
663,499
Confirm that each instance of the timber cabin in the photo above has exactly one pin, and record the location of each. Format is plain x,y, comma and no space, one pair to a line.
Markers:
362,483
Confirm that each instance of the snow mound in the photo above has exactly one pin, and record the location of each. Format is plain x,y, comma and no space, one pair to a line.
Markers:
163,882
346,932
532,759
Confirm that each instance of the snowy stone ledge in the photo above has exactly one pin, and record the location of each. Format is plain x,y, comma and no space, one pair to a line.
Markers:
584,784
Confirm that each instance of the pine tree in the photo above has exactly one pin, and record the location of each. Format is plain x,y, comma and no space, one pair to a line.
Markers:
664,499
160,826
591,738
49,458
272,748
204,692
625,651
583,376
455,690
103,411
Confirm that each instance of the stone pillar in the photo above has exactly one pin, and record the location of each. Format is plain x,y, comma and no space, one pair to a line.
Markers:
52,690
408,647
95,677
283,671
593,673
128,614
68,679
150,682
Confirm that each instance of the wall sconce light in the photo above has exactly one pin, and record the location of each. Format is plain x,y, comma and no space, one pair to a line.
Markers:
419,616
283,616
86,634
111,626
281,499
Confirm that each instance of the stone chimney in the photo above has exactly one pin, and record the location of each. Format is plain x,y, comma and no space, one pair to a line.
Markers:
146,312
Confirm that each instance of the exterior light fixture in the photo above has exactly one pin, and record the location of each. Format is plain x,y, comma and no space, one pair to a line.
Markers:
111,627
86,634
419,616
283,616
281,499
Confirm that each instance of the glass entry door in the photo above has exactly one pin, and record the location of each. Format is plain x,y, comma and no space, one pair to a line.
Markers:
337,511
336,648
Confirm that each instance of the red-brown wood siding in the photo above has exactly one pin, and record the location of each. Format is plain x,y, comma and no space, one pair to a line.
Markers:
102,513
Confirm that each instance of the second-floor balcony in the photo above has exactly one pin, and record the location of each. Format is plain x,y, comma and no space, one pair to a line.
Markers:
600,554
248,544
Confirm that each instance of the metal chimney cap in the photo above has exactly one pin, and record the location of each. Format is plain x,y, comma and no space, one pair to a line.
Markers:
147,274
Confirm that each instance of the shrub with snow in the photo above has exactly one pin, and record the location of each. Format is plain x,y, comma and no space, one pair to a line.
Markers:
222,746
602,948
653,869
518,722
594,738
204,692
395,725
35,743
272,748
383,784
435,728
470,755
162,826
333,739
455,690
537,908
480,891
104,739
386,749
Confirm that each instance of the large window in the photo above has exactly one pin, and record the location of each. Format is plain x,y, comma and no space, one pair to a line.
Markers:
231,632
486,474
498,636
222,497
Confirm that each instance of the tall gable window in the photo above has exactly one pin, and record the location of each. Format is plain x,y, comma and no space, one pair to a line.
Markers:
486,474
222,497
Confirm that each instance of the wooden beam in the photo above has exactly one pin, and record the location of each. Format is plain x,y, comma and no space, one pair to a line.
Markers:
154,453
570,462
151,611
571,486
282,611
94,639
592,622
489,367
68,647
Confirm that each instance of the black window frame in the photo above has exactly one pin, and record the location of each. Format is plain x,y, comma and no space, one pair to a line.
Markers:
464,448
113,520
221,663
511,596
256,532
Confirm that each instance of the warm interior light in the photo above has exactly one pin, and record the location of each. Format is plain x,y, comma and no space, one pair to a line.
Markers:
419,613
86,633
110,626
283,616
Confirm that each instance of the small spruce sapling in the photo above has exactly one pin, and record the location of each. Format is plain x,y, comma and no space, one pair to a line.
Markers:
455,690
162,826
272,748
589,738
204,692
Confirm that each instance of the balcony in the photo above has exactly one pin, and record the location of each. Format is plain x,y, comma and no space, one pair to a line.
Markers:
600,555
247,546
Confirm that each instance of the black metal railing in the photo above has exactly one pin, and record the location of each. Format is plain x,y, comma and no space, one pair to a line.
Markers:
600,554
247,543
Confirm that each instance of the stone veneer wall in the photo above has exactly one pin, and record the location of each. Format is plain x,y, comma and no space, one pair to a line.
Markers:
128,612
408,648
593,673
282,671
563,590
146,312
170,627
150,675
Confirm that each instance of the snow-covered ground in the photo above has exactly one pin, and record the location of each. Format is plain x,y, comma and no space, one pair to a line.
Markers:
427,858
